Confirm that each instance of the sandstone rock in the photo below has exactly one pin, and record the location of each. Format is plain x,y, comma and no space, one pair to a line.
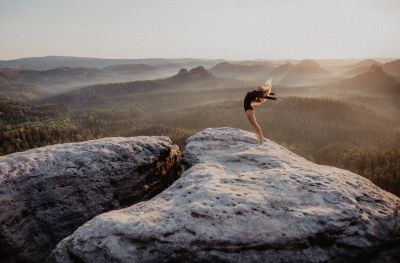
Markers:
197,73
242,202
46,193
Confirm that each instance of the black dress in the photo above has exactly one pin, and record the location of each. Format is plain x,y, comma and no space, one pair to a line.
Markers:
252,96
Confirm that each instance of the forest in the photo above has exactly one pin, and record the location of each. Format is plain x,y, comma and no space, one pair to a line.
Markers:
325,131
345,116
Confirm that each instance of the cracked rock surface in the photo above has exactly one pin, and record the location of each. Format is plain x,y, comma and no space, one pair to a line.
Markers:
46,193
242,202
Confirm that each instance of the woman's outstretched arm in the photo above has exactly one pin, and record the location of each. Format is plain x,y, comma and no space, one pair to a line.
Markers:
270,97
260,94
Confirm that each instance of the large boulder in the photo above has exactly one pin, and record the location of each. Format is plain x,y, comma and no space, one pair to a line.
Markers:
242,202
46,193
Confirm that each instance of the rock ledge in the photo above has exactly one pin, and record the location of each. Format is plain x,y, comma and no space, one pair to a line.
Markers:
242,202
46,193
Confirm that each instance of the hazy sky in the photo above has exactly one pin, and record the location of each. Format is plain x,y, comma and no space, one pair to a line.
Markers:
230,29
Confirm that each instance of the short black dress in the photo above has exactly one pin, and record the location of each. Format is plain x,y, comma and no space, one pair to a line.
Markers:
252,96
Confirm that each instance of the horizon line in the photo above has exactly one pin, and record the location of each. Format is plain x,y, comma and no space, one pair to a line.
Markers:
202,58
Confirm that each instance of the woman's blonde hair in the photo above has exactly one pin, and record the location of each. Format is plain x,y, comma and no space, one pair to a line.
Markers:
267,90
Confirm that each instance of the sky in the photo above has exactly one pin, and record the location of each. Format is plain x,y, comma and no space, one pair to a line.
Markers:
228,29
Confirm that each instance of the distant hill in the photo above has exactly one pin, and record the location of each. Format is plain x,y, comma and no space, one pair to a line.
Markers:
13,86
49,62
58,80
114,94
361,67
392,68
356,71
53,80
8,76
305,72
55,74
366,63
258,71
308,66
375,79
131,72
282,70
126,69
63,74
198,73
20,92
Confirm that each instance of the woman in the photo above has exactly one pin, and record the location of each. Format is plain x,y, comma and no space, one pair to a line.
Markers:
256,97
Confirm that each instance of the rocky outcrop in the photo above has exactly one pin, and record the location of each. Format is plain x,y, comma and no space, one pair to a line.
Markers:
46,193
238,201
197,73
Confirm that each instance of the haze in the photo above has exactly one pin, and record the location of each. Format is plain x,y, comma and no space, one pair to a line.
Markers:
209,29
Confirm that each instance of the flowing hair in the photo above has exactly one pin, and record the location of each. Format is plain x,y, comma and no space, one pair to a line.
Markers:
267,90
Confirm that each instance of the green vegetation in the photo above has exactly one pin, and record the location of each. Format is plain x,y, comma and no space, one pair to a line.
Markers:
357,129
23,127
380,166
325,131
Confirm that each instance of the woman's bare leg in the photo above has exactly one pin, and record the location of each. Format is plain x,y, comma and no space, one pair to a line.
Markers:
253,121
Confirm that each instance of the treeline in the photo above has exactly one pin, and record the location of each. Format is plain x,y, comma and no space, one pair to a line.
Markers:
311,124
322,130
127,122
23,127
33,135
380,166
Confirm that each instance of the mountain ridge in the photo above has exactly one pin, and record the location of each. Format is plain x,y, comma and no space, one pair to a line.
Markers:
375,77
258,71
197,78
48,62
305,72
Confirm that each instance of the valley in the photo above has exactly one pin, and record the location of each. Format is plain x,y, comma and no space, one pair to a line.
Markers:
324,114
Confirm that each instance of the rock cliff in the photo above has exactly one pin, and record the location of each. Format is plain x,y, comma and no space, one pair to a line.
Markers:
242,202
46,193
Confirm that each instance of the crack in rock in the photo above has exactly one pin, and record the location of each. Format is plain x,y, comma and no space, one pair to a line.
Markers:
60,187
